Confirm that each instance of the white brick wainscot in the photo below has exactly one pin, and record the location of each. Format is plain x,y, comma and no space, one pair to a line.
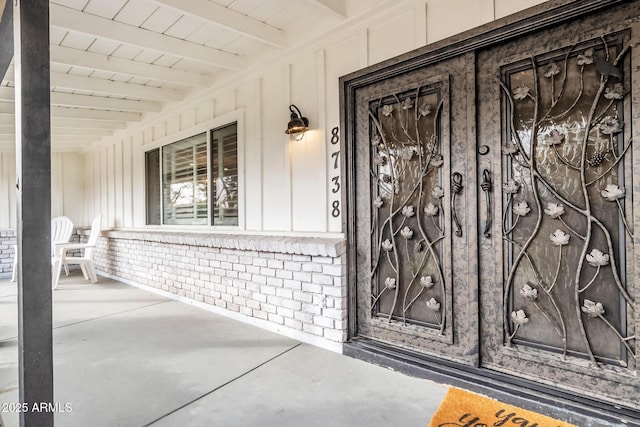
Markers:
7,251
294,286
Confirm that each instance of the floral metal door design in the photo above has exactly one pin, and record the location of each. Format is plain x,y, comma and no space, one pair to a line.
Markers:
493,206
412,208
556,110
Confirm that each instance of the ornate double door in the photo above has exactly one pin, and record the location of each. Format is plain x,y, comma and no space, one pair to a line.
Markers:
494,207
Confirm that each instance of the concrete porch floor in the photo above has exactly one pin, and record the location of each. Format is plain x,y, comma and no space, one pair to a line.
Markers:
127,357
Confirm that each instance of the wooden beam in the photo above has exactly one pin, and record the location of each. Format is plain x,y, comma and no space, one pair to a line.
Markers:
58,143
337,7
95,61
55,132
102,103
96,26
11,130
7,108
108,87
59,122
216,14
33,168
92,114
59,139
87,101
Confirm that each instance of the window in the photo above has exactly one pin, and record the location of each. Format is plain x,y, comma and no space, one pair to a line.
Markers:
152,165
184,181
194,181
224,175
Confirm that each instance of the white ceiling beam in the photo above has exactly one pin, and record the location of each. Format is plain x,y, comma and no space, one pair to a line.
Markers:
87,101
96,61
10,130
57,139
92,114
102,103
80,132
61,122
74,147
96,26
7,108
59,144
108,87
230,19
337,7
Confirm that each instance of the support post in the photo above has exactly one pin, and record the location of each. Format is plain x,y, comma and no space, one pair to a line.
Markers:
33,165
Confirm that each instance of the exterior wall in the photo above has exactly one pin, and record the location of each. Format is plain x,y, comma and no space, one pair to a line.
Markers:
287,185
7,190
285,284
7,252
294,286
67,187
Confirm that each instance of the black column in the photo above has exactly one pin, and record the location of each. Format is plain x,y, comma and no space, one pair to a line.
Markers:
33,158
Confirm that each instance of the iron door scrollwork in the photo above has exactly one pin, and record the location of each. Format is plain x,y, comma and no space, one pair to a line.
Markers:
565,209
495,210
406,159
566,198
403,169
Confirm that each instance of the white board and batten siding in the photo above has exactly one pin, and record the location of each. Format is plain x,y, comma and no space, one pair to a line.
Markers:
288,185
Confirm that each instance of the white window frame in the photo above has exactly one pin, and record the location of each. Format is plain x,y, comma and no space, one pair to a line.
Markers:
236,116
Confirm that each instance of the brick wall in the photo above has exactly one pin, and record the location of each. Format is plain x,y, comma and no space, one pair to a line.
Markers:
294,286
7,252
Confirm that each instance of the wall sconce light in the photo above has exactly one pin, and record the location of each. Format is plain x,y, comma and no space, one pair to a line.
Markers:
298,124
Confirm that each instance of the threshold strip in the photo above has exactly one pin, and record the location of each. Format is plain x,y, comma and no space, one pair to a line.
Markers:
223,385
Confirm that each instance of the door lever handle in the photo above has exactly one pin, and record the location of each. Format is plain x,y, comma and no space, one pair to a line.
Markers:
487,186
456,187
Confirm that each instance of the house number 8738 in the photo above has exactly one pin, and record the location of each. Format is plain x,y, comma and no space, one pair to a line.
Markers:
335,180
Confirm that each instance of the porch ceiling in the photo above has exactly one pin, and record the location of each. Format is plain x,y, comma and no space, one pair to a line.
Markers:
117,62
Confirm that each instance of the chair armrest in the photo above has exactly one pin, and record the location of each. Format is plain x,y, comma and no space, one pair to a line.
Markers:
71,246
62,248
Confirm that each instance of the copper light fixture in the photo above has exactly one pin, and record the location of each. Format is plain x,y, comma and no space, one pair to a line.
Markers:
298,124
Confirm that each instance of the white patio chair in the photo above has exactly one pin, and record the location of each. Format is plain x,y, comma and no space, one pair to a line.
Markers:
61,230
85,261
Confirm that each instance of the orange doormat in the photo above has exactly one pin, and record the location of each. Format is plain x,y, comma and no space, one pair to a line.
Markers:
464,409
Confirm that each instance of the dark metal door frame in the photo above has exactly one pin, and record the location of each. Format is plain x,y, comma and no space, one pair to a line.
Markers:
507,387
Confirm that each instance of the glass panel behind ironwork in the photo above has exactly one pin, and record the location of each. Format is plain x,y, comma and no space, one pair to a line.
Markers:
564,199
407,210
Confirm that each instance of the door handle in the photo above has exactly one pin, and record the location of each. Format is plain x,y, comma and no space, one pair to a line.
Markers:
487,186
456,187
